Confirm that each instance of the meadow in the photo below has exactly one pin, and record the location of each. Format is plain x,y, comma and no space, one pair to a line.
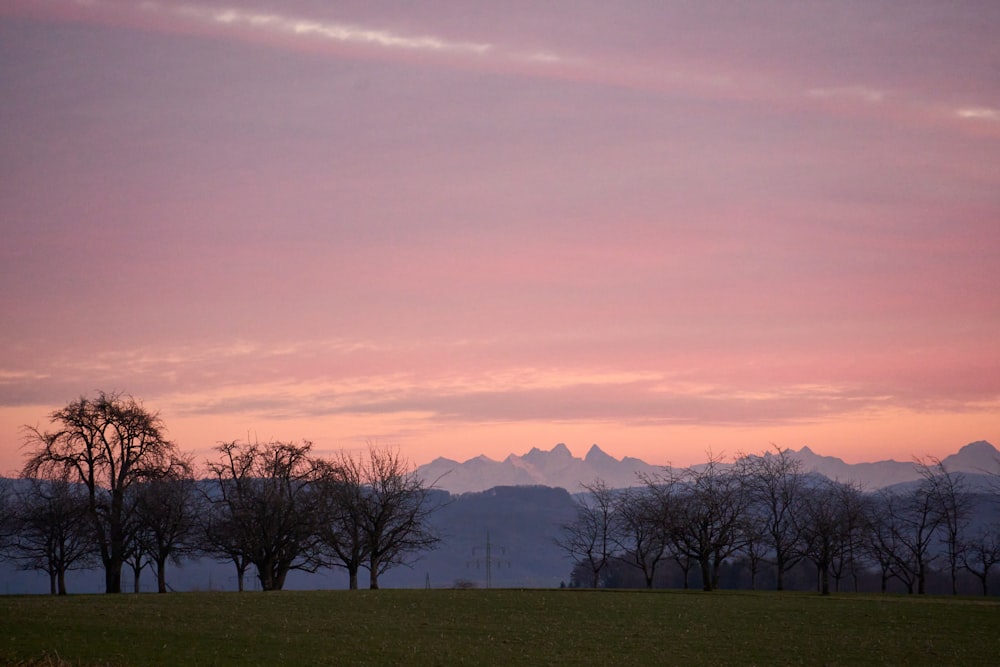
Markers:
499,626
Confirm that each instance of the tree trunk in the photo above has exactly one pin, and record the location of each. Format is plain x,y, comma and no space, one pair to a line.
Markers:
52,582
113,576
373,565
136,573
161,575
716,567
61,581
706,573
352,575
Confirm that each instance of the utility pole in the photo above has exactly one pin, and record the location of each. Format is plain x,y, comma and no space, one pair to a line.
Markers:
490,561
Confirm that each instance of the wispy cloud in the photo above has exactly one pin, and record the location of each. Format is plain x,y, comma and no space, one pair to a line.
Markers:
329,30
979,113
858,93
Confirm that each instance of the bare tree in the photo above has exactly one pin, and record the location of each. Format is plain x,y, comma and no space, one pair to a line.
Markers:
910,522
395,509
137,558
848,552
342,531
165,512
268,504
755,544
981,554
51,529
881,543
107,444
641,535
590,538
219,534
775,482
710,504
954,505
828,517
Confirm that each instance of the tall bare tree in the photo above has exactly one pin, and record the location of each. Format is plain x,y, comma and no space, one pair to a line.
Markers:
342,530
166,515
826,517
910,521
267,503
954,506
590,538
219,534
774,483
849,554
709,509
107,444
642,533
395,509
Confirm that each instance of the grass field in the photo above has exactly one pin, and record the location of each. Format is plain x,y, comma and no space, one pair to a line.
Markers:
509,627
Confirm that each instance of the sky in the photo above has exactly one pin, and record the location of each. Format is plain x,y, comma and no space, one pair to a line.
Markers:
667,227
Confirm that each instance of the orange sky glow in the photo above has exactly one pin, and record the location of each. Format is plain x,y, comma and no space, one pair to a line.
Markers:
666,228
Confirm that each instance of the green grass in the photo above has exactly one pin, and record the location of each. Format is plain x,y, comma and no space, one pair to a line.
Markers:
509,627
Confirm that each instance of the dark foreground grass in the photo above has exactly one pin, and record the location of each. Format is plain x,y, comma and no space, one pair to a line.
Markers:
506,627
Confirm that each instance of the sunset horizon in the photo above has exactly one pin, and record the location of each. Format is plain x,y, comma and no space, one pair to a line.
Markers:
463,229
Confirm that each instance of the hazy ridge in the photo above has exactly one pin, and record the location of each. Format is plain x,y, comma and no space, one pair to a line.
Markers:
558,467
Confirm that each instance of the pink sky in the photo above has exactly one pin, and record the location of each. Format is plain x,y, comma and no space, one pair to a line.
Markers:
665,227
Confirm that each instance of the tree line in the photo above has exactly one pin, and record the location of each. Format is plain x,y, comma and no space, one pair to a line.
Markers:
105,488
765,512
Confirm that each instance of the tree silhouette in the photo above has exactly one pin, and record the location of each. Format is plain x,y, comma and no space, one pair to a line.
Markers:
107,444
395,507
267,507
165,512
51,529
590,538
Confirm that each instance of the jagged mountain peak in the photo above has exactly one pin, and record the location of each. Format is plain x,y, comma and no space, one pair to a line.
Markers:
596,455
561,450
555,467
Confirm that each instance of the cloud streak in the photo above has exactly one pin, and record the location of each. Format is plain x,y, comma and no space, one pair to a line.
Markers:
337,32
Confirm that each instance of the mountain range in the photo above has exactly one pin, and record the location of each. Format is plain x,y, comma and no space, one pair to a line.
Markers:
512,512
558,467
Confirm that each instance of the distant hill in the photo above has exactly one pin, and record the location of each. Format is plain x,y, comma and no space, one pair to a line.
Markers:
521,524
977,458
559,468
